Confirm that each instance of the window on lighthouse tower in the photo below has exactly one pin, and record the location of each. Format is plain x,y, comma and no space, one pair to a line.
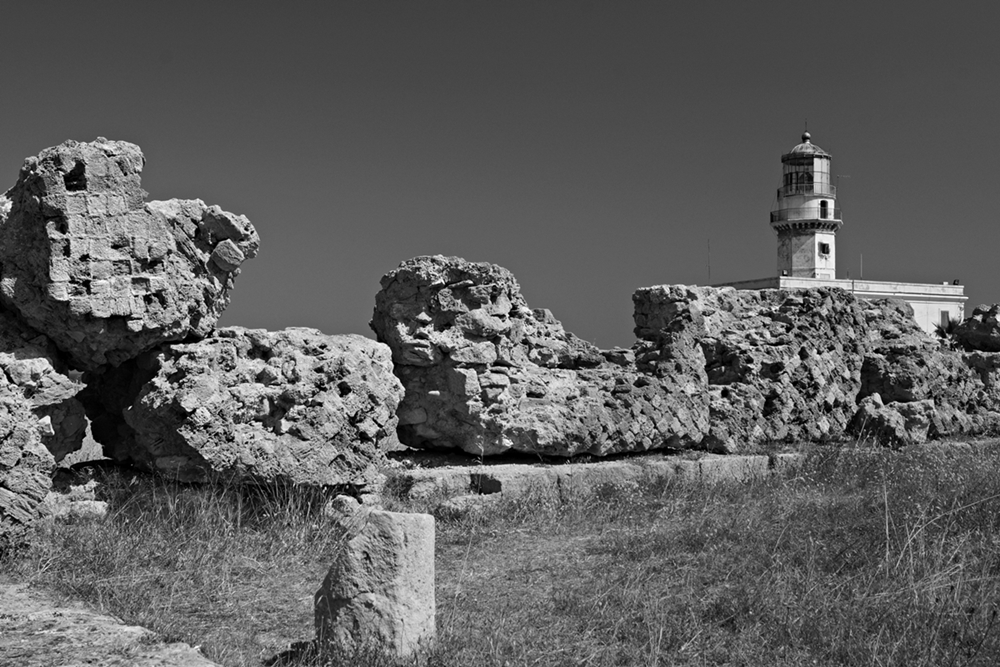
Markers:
823,209
807,181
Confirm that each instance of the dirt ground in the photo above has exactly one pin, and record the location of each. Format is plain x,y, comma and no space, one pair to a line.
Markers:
39,630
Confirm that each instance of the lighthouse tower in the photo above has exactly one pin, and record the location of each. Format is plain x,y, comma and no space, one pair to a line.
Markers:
806,218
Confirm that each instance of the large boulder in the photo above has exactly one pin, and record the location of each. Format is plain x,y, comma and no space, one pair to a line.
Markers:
294,405
25,466
486,374
32,364
103,273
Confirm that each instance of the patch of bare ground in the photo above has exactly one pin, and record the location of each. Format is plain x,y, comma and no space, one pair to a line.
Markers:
37,629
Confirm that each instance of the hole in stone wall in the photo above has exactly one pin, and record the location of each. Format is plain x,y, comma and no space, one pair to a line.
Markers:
58,224
76,178
485,485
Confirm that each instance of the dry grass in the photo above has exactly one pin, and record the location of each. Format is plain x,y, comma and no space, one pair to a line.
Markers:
232,570
858,558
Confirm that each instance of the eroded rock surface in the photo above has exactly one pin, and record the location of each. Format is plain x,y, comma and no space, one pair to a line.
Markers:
25,465
294,405
103,273
779,365
898,424
486,374
32,364
924,384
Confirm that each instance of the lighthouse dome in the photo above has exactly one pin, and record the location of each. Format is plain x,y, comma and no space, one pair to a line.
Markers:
807,147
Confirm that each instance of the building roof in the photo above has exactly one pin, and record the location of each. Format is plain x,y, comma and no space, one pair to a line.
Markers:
807,146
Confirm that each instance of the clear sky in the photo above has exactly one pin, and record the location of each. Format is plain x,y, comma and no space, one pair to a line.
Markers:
590,147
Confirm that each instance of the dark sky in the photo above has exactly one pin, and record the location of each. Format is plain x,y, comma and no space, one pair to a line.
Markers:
590,147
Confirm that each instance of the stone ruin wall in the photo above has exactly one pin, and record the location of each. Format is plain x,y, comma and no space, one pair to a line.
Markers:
108,305
714,369
106,299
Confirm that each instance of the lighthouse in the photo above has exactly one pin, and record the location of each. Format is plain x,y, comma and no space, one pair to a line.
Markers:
806,220
806,217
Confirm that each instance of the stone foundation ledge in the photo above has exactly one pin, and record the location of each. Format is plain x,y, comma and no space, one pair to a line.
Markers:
462,488
565,482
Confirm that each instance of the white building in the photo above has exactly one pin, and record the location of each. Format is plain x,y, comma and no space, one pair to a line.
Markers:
807,220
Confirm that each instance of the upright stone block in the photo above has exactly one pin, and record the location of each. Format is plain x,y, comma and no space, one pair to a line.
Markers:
379,593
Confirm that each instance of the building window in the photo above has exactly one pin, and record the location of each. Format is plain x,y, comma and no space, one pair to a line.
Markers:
824,248
823,209
945,319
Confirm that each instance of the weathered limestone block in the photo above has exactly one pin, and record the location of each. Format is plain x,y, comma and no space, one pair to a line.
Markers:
486,374
32,364
981,331
294,405
104,274
379,593
25,466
